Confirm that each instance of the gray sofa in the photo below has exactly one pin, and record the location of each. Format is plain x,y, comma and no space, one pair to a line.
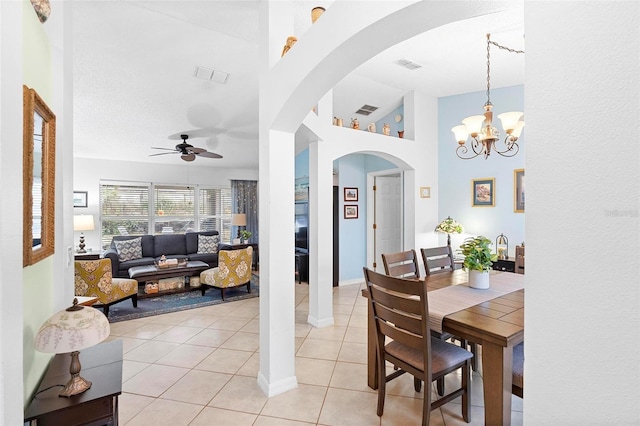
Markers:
172,246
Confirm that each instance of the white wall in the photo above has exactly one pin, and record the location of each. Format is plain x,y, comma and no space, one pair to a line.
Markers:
582,99
89,172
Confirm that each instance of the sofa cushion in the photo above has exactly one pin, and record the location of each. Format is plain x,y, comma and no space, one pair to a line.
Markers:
208,243
192,239
147,243
124,266
167,244
129,249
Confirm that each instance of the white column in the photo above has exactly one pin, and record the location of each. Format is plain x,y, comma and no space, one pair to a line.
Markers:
320,236
276,199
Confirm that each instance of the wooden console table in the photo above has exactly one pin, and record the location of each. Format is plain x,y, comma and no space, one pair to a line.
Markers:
102,366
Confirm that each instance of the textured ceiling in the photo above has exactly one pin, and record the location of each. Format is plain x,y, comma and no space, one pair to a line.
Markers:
134,65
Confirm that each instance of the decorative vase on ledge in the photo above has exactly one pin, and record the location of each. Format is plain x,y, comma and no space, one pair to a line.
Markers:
316,12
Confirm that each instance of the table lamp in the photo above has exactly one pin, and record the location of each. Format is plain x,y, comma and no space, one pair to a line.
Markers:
239,219
449,226
502,247
82,222
69,331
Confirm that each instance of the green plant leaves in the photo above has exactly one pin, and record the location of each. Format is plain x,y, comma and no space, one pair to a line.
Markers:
477,253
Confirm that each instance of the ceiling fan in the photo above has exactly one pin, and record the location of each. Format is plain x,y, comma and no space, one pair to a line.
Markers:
187,152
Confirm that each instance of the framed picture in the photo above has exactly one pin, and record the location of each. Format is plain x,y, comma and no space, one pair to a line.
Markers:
350,194
350,212
425,192
518,190
79,198
483,192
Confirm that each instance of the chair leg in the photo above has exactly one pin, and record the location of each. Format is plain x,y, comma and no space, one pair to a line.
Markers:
417,384
249,287
474,360
440,386
105,310
203,288
382,382
466,398
426,406
222,291
134,300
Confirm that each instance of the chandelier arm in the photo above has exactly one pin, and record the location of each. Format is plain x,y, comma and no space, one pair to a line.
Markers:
512,148
462,150
506,48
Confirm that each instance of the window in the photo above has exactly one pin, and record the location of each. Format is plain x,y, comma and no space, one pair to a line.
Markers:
174,209
215,211
124,209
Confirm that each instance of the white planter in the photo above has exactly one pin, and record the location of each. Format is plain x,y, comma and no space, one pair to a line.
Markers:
479,279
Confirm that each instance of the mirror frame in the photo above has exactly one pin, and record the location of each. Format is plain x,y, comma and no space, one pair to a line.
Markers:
33,103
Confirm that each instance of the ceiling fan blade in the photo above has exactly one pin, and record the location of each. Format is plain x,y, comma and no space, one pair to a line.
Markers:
188,157
197,150
166,149
209,154
163,153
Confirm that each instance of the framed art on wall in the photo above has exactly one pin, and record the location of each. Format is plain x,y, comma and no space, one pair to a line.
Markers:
350,194
79,198
483,192
350,212
425,192
518,190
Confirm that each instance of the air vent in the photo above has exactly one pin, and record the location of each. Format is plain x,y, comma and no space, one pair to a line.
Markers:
211,75
405,63
366,109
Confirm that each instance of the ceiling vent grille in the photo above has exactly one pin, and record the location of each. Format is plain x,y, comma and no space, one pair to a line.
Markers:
405,63
366,109
211,75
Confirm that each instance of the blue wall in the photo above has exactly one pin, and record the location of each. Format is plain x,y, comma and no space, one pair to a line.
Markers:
455,174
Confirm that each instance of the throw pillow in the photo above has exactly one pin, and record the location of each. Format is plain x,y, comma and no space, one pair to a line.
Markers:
208,243
129,249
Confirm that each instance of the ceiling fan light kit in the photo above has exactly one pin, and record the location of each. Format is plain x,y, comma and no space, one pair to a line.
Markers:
187,151
480,127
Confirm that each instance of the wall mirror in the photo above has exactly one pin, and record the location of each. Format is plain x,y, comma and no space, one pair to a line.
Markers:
38,168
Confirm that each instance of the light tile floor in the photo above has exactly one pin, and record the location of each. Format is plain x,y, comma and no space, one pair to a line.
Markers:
199,367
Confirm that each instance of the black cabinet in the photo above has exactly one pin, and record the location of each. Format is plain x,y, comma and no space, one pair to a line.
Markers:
506,265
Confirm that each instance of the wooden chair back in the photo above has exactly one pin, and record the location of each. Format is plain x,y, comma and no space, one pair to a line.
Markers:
437,259
403,264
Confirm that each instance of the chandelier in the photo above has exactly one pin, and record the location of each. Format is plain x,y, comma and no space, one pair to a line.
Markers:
484,135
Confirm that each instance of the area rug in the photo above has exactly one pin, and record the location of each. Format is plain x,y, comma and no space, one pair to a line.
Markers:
167,303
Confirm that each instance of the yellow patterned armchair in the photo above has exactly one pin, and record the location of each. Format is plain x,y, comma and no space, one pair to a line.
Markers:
93,278
233,270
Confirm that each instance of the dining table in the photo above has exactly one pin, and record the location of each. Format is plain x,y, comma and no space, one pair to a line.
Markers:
493,318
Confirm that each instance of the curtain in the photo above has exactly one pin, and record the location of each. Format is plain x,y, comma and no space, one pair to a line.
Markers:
244,196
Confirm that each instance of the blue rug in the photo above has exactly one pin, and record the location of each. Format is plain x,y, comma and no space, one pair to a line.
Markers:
164,304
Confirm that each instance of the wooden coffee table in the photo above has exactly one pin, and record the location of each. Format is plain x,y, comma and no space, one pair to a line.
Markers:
146,273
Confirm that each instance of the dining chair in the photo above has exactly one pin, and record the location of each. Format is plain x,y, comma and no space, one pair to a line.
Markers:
440,260
404,264
400,310
517,387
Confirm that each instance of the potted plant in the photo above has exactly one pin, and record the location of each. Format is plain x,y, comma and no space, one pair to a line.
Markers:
478,260
244,235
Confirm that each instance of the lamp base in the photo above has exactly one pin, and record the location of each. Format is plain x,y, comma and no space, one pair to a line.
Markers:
81,245
76,384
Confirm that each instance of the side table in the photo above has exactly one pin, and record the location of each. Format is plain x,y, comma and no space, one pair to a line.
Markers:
87,256
102,366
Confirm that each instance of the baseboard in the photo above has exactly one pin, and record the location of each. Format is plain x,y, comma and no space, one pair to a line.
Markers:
319,323
273,389
351,282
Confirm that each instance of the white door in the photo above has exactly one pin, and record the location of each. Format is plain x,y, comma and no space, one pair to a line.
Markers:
387,217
